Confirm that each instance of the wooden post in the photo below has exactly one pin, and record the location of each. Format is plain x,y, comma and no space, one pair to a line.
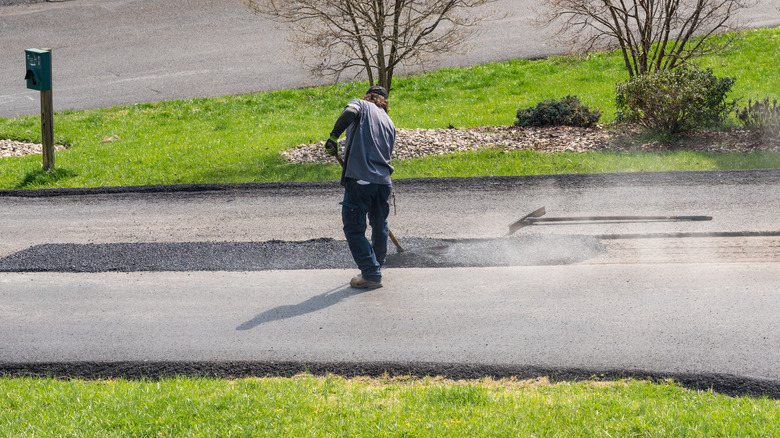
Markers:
38,77
47,129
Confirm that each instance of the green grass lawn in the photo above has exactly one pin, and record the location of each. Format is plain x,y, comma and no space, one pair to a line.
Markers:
238,138
308,406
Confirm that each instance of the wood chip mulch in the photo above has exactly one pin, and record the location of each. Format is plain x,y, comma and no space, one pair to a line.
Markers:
414,143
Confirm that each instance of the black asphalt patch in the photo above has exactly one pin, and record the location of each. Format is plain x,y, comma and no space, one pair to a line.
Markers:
321,253
768,177
726,384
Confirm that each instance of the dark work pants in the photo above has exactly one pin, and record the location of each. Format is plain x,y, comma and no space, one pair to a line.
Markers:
361,201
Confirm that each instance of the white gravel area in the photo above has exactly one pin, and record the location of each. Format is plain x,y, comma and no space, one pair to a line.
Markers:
11,148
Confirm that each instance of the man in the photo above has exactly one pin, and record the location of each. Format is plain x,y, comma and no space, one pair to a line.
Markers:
366,180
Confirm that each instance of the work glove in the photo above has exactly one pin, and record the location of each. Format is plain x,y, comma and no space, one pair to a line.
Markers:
332,146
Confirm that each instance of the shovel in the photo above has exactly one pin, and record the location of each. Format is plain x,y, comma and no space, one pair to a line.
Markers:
535,217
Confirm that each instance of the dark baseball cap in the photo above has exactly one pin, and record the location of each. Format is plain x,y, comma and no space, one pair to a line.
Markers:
377,89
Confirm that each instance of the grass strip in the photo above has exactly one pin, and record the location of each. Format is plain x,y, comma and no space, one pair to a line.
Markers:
238,138
493,162
334,406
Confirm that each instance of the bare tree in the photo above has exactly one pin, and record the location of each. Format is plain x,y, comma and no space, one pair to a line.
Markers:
652,34
372,36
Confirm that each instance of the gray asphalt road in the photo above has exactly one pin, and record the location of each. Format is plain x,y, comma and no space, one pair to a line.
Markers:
696,301
112,52
714,324
456,208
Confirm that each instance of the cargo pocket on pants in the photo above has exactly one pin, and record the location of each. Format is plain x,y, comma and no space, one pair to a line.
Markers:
351,214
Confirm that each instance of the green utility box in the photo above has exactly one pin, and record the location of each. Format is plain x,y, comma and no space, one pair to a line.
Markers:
38,69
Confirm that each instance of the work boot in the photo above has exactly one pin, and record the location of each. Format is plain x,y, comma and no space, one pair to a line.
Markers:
361,283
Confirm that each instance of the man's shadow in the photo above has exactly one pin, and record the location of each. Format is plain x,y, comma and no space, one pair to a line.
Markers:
313,304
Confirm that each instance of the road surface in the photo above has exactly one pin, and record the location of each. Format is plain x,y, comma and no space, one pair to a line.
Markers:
120,52
695,301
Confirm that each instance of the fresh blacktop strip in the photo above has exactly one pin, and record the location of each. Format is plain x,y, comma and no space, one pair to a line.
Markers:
323,253
239,280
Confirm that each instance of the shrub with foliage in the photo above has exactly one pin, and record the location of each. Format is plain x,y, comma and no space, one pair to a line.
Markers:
568,111
676,100
763,116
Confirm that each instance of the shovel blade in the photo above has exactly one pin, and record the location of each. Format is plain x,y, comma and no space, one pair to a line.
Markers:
539,212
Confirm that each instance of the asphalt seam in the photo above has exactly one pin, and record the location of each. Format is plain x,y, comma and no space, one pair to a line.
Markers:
492,183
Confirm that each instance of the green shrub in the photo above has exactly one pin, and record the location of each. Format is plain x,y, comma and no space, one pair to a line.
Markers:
677,100
568,111
762,116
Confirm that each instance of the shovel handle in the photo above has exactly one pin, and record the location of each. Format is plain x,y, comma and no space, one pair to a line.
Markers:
535,217
395,241
616,218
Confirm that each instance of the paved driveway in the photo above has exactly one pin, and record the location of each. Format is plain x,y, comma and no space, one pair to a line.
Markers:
696,301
